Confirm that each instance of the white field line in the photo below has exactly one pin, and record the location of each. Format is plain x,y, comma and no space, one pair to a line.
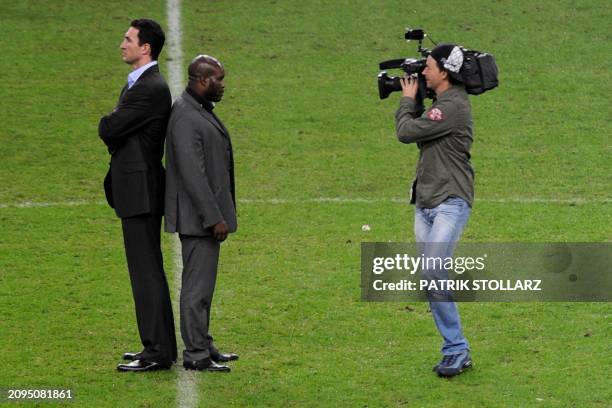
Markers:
186,381
174,48
342,200
36,204
328,200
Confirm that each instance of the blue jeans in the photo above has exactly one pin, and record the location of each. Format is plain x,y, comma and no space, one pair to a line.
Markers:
437,231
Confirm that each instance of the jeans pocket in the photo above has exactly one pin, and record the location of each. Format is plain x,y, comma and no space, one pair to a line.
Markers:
454,207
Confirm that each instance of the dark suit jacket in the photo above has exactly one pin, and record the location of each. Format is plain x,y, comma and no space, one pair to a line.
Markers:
134,133
199,159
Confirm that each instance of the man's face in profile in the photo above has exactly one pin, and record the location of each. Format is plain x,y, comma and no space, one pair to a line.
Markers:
131,51
216,85
432,73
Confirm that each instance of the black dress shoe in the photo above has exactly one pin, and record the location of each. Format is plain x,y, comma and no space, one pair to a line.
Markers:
131,356
223,357
142,365
205,365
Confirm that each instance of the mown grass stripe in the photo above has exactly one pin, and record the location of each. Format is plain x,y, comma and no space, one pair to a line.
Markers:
331,200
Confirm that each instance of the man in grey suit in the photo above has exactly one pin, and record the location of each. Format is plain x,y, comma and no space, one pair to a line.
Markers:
200,204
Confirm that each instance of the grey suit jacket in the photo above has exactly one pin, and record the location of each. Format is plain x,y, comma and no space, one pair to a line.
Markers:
200,171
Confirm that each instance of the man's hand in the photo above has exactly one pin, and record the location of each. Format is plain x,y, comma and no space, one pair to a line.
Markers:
410,85
220,231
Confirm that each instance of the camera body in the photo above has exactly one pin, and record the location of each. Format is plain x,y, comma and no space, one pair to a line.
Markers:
411,66
478,72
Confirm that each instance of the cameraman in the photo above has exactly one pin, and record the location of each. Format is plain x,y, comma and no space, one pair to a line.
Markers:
443,189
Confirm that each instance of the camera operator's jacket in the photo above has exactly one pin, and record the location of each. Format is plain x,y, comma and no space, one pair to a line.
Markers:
443,134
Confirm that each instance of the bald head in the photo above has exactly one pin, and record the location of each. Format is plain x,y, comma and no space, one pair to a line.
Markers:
206,76
202,67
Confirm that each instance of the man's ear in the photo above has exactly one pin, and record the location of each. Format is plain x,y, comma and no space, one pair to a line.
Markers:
147,48
205,81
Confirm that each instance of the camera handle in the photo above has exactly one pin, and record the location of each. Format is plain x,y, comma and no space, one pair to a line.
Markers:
420,95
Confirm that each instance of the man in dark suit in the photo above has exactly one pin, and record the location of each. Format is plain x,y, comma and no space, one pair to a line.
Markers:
134,133
200,204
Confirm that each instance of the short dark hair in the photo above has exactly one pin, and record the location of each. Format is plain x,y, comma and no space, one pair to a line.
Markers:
150,32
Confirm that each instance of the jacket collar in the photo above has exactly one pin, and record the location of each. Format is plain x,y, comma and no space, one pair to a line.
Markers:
207,115
452,90
146,73
136,74
209,106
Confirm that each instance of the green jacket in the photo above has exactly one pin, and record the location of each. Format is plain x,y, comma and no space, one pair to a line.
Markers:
444,136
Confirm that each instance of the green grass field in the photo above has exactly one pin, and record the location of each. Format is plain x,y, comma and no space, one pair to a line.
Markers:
306,123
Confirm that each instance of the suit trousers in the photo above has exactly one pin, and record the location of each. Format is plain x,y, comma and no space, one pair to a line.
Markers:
200,261
141,235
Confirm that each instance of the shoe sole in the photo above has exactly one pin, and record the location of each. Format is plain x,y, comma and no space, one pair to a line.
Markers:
142,370
468,364
224,360
206,369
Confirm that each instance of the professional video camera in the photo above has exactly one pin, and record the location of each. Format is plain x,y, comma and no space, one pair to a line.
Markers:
478,72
